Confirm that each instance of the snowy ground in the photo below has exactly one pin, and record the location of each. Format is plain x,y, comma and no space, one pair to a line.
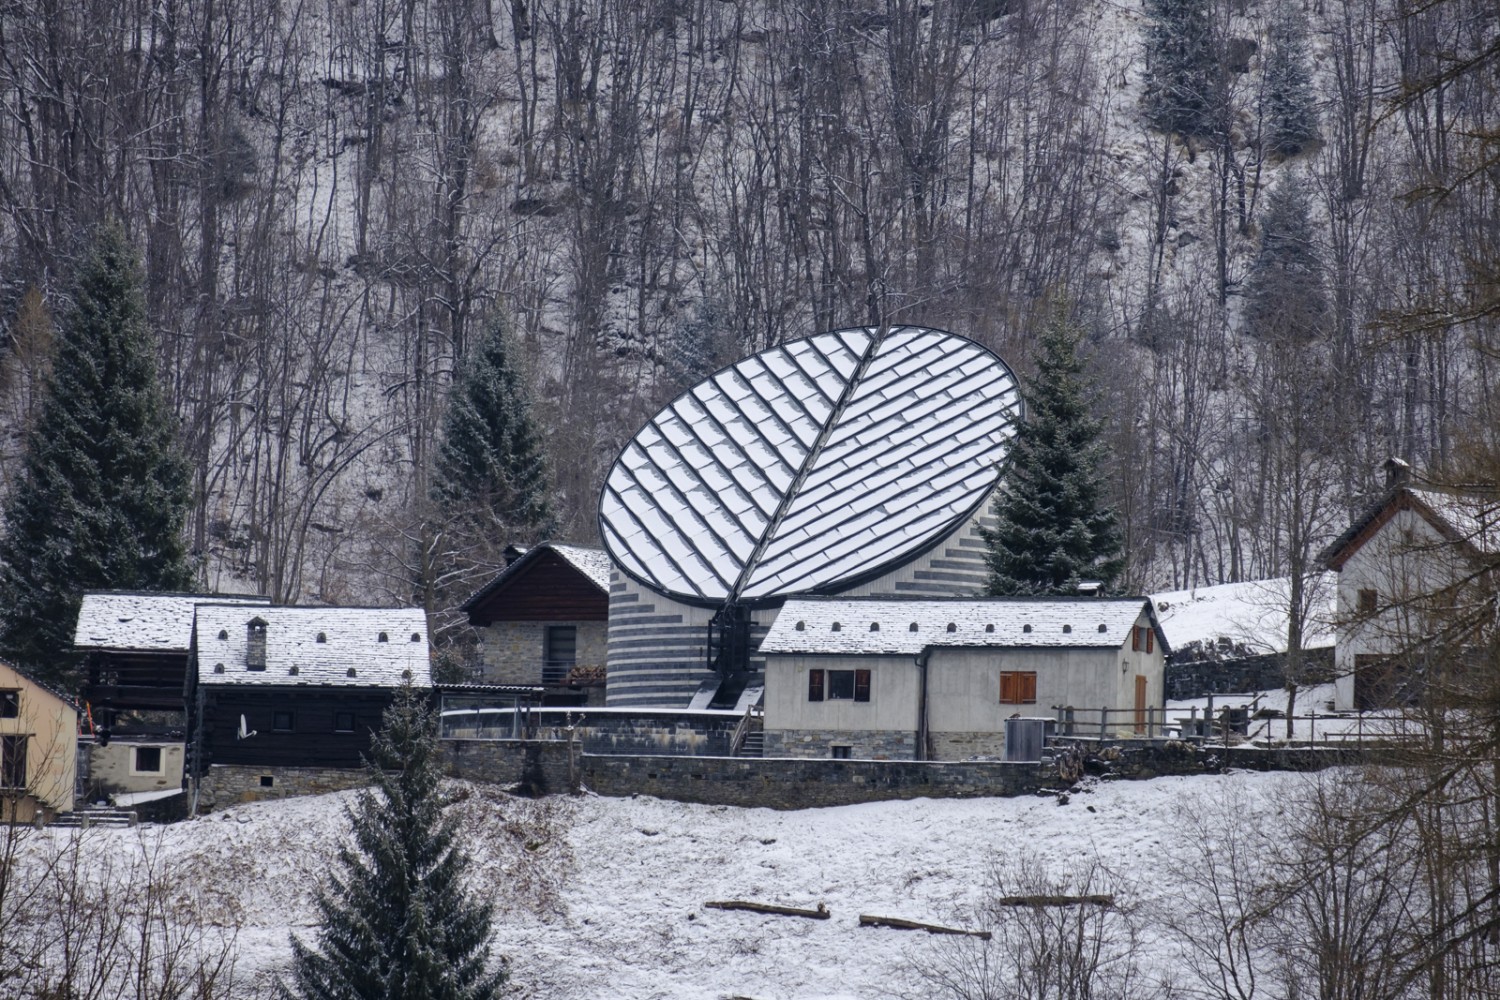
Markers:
603,898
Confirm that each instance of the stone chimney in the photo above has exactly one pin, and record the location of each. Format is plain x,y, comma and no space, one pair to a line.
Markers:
1397,472
255,648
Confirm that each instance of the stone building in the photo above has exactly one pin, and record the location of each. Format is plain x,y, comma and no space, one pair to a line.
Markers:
542,621
853,463
1400,565
937,679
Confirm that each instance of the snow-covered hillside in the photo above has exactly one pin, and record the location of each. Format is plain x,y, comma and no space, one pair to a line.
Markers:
602,897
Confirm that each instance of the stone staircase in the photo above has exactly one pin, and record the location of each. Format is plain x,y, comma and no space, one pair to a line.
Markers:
754,744
86,817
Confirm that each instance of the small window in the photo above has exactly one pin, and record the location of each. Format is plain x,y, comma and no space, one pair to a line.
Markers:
351,672
1142,638
913,627
837,627
1067,629
840,752
223,635
218,668
989,628
1103,627
281,722
266,781
322,636
1026,628
343,722
13,761
416,637
10,704
1369,601
874,626
294,670
801,626
383,638
848,685
952,626
1018,687
815,685
147,760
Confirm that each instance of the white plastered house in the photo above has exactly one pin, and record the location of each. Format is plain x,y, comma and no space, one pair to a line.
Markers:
937,679
1397,565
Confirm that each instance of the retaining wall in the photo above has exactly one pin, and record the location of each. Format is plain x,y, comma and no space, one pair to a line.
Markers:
1204,675
227,784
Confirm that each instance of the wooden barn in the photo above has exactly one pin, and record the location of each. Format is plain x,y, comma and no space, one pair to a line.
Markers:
298,687
542,621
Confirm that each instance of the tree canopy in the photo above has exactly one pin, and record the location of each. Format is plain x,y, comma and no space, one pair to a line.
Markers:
104,490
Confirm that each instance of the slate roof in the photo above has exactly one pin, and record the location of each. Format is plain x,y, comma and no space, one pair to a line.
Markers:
594,564
352,642
151,622
810,466
807,625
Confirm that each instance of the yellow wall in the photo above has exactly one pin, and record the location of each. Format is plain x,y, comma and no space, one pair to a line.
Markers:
51,726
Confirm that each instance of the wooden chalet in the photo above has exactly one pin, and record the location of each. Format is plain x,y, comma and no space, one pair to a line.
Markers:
298,687
135,649
543,621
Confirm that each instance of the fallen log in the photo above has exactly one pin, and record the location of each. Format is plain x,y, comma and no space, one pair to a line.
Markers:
866,920
1055,901
821,913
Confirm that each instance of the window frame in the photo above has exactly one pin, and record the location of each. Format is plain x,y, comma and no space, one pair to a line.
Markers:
1020,683
13,761
10,703
291,720
821,680
135,761
338,717
1367,601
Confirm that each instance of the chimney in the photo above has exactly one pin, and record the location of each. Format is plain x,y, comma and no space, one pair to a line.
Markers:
1397,472
255,649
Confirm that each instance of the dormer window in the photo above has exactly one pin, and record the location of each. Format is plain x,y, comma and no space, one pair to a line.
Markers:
383,638
223,635
801,626
913,627
874,626
1026,628
349,672
416,637
322,636
1103,627
989,629
255,648
837,627
952,626
294,671
1067,629
218,668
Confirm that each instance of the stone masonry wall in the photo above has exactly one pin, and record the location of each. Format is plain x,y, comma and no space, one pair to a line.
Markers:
1197,678
863,744
537,767
512,652
228,784
967,746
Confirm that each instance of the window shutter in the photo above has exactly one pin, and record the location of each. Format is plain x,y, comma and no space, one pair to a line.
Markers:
1150,637
861,685
1007,688
1028,688
815,685
1135,639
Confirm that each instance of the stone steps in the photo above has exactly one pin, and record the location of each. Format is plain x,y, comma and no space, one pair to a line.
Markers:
92,816
754,744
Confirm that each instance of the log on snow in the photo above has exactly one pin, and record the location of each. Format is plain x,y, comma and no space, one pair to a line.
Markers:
866,920
1055,901
821,913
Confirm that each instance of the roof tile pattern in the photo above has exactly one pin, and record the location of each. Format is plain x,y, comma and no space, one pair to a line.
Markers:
875,626
810,464
351,642
144,621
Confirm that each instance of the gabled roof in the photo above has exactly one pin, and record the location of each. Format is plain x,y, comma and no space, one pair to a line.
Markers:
592,565
351,640
1469,519
872,626
139,620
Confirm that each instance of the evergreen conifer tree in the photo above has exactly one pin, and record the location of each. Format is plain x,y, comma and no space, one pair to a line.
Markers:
1183,93
393,921
490,481
104,490
1288,112
1284,294
1055,527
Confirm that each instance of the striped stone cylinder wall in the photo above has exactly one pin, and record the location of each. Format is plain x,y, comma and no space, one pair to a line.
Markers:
658,646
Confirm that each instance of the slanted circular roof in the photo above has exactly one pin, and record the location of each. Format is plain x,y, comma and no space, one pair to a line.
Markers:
811,466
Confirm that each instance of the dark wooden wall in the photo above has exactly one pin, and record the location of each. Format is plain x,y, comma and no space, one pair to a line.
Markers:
547,588
311,742
135,681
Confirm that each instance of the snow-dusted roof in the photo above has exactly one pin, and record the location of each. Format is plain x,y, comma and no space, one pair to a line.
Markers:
1252,614
592,563
151,622
810,465
351,641
1473,519
850,626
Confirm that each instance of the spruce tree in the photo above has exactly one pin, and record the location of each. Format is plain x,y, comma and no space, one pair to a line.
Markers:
1284,293
1289,114
490,481
1055,527
1183,92
104,488
394,922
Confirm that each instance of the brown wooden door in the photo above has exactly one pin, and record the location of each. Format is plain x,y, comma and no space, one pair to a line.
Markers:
1140,703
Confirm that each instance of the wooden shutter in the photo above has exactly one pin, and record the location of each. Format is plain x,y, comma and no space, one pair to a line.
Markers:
1018,687
815,685
1150,637
861,685
1135,640
1028,688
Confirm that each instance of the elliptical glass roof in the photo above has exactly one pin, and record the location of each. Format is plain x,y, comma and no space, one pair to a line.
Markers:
808,467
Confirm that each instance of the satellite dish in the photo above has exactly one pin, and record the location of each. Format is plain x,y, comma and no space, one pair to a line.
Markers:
245,731
810,467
